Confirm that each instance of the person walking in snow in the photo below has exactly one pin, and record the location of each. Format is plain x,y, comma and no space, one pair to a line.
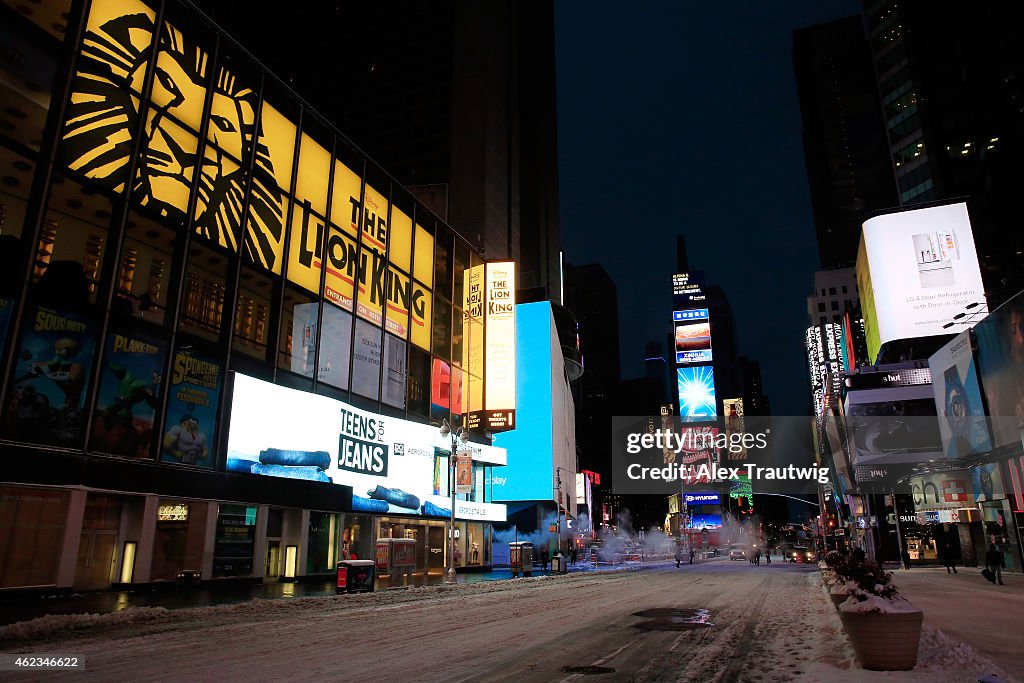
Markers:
691,555
994,562
905,556
949,558
679,556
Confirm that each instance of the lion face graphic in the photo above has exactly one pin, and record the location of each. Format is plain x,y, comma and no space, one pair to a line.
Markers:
104,113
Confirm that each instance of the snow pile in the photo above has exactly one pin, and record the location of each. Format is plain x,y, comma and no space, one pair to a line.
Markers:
866,603
53,624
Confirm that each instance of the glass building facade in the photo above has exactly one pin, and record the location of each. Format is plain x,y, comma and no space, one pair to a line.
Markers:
170,213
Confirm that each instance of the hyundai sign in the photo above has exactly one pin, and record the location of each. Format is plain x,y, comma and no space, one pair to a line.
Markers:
702,498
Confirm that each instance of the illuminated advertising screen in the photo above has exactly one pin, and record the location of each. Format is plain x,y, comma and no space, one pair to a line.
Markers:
696,388
732,409
688,290
1001,365
916,270
957,393
693,342
393,466
823,345
697,450
702,498
705,522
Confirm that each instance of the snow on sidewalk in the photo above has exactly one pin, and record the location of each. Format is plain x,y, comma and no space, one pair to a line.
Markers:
939,658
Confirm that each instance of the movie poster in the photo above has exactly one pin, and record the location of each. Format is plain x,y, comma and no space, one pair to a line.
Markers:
195,385
45,403
129,395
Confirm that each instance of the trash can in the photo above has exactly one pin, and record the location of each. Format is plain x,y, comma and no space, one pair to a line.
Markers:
558,564
520,555
355,576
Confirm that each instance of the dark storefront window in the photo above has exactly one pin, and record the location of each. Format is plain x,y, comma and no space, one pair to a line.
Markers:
202,301
180,536
296,350
366,357
234,541
357,538
321,549
31,535
335,347
252,315
144,273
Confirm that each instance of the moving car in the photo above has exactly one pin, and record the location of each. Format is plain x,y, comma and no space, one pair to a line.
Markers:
737,552
799,553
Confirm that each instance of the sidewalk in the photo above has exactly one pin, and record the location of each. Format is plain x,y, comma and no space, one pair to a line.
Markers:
967,607
174,597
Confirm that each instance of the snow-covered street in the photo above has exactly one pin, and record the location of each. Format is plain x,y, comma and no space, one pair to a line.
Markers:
720,621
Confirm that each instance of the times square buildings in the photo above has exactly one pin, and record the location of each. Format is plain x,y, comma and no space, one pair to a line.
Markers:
181,236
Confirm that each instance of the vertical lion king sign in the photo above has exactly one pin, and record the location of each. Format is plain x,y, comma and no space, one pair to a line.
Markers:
490,296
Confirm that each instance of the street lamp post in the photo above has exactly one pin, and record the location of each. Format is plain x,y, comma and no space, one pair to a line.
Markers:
457,436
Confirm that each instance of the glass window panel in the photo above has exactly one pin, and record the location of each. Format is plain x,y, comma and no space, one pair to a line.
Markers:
296,349
181,77
457,336
442,329
394,371
252,314
15,182
461,264
202,303
144,272
335,347
440,390
51,16
339,284
423,266
103,111
26,82
220,198
422,313
313,174
278,134
305,248
401,239
418,385
366,360
443,263
345,197
399,303
74,234
164,177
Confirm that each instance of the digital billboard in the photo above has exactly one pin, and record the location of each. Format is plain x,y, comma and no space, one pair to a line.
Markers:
823,345
961,413
393,466
688,290
916,270
734,424
1001,366
693,342
697,449
489,345
696,389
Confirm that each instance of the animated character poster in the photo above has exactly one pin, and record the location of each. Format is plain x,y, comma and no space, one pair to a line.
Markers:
55,353
129,395
192,409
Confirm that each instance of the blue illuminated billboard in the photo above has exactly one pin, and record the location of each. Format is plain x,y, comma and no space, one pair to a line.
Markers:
696,387
702,498
705,522
690,314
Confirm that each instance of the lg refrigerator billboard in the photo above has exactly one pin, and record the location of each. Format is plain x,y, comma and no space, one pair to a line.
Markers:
393,466
961,414
915,271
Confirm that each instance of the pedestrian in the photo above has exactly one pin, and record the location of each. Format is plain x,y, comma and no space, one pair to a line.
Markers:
572,554
691,555
949,558
757,558
544,559
994,563
905,556
767,555
679,556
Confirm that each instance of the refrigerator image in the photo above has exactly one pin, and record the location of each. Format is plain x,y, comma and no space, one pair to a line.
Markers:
935,253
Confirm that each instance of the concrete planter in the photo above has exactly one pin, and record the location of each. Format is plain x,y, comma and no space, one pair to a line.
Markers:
838,599
884,642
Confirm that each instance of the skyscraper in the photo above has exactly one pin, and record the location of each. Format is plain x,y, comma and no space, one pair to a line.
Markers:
848,168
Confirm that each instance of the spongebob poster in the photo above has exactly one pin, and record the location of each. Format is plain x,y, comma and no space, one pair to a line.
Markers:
191,429
45,403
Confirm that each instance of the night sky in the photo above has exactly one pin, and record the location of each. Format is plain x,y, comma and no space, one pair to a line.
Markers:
683,118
